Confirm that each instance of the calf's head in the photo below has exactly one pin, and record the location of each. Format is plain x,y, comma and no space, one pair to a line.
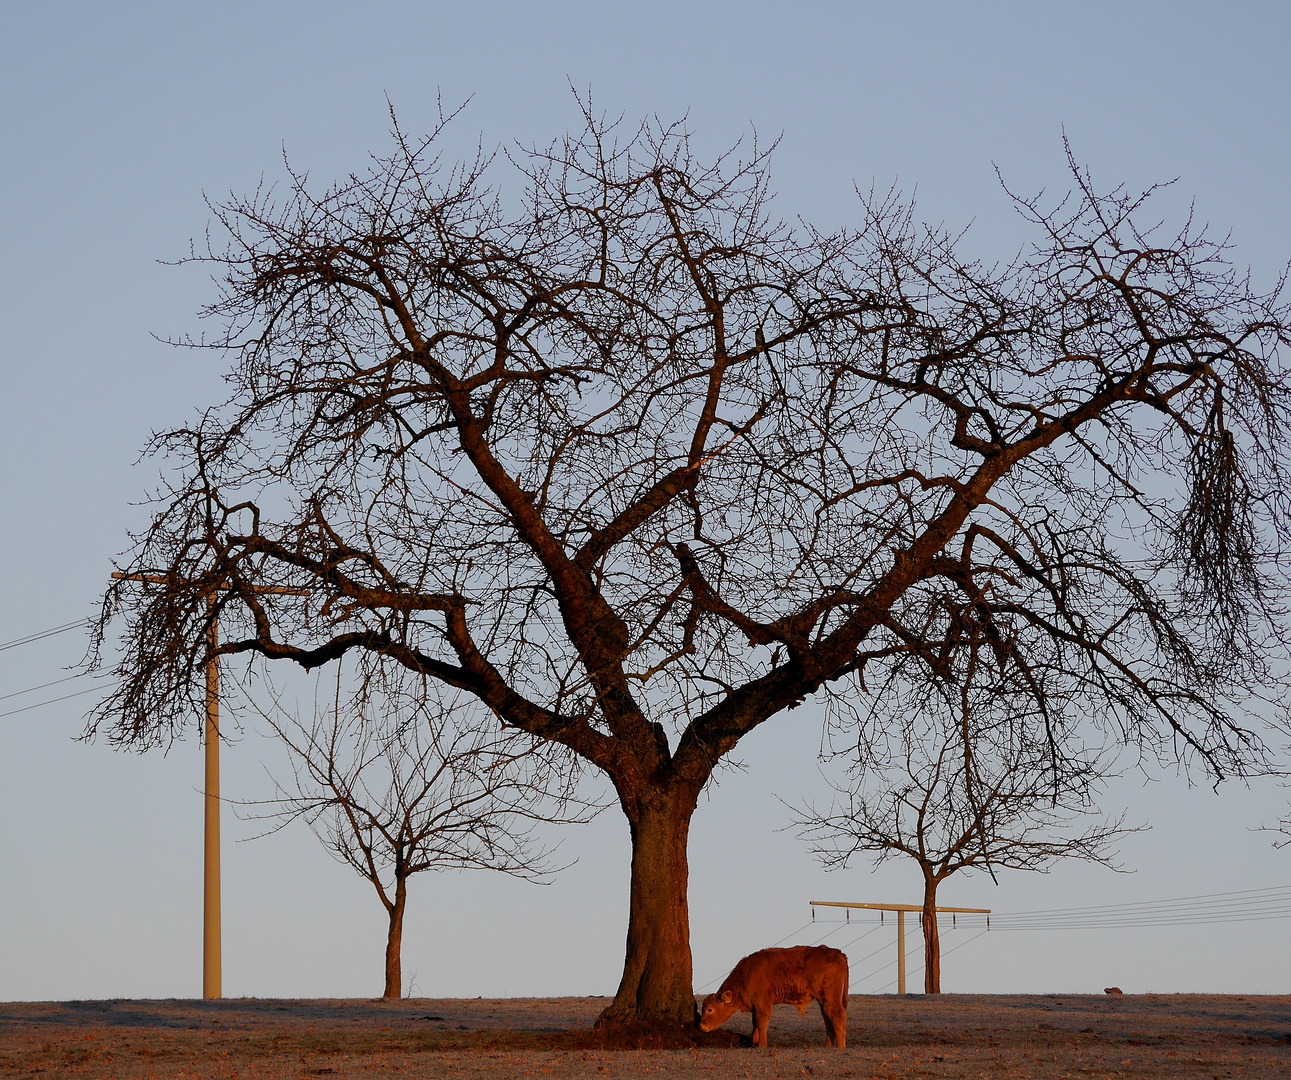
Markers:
716,1010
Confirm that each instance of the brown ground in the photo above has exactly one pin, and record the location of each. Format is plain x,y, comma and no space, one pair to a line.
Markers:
1186,1035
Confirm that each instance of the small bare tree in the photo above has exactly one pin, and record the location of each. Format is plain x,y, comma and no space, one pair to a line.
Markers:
972,775
398,783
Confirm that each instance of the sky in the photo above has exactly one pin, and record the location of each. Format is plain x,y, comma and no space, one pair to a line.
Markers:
116,120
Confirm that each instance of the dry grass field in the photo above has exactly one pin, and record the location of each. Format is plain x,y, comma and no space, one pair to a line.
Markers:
1185,1035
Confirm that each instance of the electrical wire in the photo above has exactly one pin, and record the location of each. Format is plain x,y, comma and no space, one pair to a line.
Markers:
794,934
51,701
1218,897
826,934
1246,905
956,948
700,989
876,926
876,952
917,953
40,635
840,923
42,686
891,963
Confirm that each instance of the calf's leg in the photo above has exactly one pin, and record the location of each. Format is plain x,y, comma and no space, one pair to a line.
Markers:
834,1013
830,1039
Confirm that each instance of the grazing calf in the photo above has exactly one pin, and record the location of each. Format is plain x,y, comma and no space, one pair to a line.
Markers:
796,976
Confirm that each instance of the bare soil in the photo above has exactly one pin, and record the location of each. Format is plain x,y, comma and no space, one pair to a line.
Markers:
1166,1035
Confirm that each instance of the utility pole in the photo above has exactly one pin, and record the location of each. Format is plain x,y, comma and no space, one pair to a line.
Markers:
900,909
212,948
900,951
212,945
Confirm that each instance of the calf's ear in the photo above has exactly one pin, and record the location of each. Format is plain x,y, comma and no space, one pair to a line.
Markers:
726,997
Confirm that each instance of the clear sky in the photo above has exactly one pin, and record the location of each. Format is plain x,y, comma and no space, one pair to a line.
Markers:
114,119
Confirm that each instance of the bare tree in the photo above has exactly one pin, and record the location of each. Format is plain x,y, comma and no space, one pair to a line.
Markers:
640,466
404,784
963,774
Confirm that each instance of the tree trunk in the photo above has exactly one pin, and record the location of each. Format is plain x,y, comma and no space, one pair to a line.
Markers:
657,981
394,941
931,939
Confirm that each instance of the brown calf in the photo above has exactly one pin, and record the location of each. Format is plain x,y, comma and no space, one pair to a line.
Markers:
796,976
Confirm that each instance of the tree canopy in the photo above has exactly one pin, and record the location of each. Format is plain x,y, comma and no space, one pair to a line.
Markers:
640,465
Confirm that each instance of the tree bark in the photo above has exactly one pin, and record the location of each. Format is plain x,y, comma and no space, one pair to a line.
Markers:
657,984
394,941
931,939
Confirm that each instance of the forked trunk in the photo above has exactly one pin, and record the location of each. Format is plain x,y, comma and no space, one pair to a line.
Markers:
394,941
657,979
931,940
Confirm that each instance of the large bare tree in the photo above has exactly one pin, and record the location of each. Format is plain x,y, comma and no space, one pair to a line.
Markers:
965,770
398,782
640,466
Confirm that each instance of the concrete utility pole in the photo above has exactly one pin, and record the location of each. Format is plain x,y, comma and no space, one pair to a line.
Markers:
900,951
212,946
900,909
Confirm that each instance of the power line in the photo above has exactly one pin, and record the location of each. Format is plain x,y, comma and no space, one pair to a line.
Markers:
915,960
953,948
704,986
42,686
51,701
1214,897
1246,905
827,934
1216,918
40,635
891,963
877,926
881,948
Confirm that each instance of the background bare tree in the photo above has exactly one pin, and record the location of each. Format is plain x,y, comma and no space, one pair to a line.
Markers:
962,772
397,783
640,466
